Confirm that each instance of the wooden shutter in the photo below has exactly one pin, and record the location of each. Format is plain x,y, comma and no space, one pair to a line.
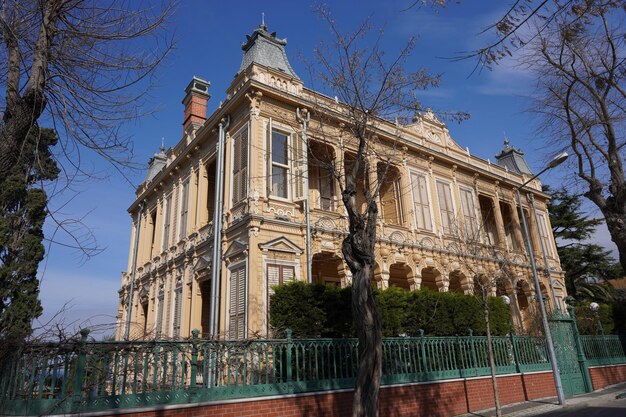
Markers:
421,202
174,213
160,307
299,158
237,324
240,165
184,210
543,234
268,158
273,278
445,206
167,222
178,303
469,213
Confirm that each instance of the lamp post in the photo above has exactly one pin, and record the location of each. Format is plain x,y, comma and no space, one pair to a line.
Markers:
542,309
595,307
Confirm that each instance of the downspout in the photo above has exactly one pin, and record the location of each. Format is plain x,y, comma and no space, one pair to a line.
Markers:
217,230
134,270
307,209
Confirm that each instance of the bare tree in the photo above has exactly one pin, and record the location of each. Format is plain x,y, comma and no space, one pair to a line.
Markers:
370,88
486,267
523,22
83,68
581,101
73,64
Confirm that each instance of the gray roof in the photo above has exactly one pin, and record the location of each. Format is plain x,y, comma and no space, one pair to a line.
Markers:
513,159
266,49
156,164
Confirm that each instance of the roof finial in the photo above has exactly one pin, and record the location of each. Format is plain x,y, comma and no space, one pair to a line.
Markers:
263,25
506,141
162,144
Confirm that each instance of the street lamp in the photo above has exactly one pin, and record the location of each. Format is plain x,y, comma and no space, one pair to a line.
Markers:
560,158
595,307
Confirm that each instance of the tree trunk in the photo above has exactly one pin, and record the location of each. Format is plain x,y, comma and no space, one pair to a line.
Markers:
492,363
365,401
616,223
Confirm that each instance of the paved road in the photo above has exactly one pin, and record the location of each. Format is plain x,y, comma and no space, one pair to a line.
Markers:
601,407
602,403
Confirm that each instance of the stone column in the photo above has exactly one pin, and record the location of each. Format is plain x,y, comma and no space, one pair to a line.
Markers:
517,227
497,214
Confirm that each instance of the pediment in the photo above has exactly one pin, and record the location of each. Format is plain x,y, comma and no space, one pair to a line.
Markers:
235,248
281,244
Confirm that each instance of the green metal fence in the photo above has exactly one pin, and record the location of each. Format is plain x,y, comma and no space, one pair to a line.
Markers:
604,350
88,376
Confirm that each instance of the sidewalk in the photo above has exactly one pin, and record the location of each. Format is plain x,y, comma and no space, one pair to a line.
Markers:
548,405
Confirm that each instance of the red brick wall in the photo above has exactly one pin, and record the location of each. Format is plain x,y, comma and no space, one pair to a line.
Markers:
419,400
602,376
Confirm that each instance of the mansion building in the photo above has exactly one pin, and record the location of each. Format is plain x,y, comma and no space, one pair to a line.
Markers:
242,203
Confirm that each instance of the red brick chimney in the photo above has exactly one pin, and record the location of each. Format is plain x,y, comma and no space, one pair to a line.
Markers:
195,101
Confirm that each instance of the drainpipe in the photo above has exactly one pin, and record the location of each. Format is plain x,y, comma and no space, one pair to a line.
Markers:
307,209
134,269
217,230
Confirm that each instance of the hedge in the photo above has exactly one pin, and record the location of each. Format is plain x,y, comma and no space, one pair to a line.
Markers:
316,310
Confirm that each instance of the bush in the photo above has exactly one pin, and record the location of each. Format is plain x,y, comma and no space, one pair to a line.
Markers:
315,310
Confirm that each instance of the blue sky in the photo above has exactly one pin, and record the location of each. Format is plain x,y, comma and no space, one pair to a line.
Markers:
209,37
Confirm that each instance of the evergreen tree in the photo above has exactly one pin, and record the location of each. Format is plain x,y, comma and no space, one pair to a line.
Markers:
23,203
587,266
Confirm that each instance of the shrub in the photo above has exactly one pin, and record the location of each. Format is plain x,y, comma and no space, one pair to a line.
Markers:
314,310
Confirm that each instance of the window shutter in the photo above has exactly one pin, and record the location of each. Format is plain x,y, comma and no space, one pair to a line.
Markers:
445,206
469,212
268,158
299,158
161,307
178,295
184,210
273,278
236,168
243,173
288,274
241,303
174,212
237,329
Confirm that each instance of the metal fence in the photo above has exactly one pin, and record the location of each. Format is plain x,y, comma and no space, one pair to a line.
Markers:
604,350
90,376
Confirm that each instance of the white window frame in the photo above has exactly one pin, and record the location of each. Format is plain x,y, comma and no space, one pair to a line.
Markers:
477,218
542,225
454,209
273,127
184,202
167,221
428,194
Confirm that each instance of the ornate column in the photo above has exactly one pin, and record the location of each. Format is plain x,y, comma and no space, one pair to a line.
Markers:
497,214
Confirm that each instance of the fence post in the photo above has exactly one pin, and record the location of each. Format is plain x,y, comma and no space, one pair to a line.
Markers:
473,348
514,352
194,363
423,351
77,386
288,333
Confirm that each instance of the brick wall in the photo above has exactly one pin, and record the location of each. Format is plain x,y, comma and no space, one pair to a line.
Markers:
446,398
602,376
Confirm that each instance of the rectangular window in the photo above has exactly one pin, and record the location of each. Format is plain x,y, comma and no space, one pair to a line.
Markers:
390,196
543,234
470,222
237,313
278,275
421,202
153,216
446,208
167,221
178,305
320,179
280,165
240,165
160,308
184,210
509,226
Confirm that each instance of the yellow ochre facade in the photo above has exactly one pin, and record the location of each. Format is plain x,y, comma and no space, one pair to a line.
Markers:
432,185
